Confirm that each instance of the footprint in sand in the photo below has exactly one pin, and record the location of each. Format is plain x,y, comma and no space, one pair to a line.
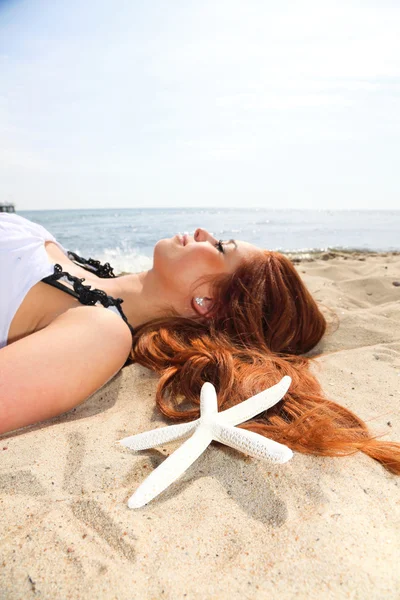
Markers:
388,355
76,482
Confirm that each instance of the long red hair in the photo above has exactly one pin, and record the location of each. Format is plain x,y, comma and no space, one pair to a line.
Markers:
262,319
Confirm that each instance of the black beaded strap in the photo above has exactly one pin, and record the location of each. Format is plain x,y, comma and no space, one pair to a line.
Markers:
94,266
84,293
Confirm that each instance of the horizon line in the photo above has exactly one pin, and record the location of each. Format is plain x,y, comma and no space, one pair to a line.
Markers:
210,208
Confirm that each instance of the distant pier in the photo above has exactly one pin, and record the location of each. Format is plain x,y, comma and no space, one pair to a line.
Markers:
7,207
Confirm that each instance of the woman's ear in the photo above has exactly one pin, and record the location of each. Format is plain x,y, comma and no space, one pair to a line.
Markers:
201,304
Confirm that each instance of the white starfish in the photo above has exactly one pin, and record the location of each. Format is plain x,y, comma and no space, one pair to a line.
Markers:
212,425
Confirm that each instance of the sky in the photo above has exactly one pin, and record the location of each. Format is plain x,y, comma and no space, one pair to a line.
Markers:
177,103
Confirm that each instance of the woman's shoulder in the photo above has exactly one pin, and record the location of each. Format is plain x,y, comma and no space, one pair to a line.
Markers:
61,365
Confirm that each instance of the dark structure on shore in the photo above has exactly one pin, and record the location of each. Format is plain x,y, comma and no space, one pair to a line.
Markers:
7,207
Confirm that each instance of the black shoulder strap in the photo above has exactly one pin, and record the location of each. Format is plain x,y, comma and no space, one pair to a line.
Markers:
94,266
84,293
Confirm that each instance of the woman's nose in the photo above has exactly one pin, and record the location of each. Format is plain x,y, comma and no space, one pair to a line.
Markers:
199,235
202,235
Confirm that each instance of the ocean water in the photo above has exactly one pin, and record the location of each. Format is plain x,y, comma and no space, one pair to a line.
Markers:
126,237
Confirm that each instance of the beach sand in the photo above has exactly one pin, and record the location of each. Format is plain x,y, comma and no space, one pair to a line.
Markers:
232,526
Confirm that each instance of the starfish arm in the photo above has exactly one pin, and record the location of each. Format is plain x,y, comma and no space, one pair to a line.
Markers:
256,404
172,468
156,437
252,443
208,399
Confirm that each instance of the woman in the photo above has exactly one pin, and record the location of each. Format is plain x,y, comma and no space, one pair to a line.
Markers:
208,310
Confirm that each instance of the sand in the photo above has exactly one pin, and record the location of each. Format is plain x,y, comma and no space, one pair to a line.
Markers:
232,526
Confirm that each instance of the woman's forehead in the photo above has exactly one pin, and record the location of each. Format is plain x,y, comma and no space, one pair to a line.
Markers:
246,249
240,251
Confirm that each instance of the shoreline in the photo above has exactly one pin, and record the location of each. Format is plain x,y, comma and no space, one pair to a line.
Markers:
331,253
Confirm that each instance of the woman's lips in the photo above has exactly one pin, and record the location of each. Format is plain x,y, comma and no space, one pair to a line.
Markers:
182,238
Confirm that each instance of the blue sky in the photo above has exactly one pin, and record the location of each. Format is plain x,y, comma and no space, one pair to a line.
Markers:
211,103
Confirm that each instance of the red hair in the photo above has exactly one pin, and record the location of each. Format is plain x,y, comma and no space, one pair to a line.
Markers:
262,319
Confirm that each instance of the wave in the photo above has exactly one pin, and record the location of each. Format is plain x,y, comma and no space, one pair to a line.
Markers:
124,261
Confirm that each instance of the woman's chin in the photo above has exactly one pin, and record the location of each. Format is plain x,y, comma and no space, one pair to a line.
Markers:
168,246
164,252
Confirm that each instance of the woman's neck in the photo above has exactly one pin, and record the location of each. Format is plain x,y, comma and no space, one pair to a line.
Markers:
142,296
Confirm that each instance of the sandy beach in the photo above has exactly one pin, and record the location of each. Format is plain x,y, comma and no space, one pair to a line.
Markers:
232,526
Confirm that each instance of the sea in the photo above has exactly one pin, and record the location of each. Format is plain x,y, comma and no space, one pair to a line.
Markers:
126,237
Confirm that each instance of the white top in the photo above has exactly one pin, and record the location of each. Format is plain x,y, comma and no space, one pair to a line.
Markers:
23,262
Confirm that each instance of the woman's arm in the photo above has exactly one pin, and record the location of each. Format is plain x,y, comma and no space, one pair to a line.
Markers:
56,368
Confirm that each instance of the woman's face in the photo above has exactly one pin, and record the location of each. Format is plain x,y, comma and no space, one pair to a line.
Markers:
181,261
